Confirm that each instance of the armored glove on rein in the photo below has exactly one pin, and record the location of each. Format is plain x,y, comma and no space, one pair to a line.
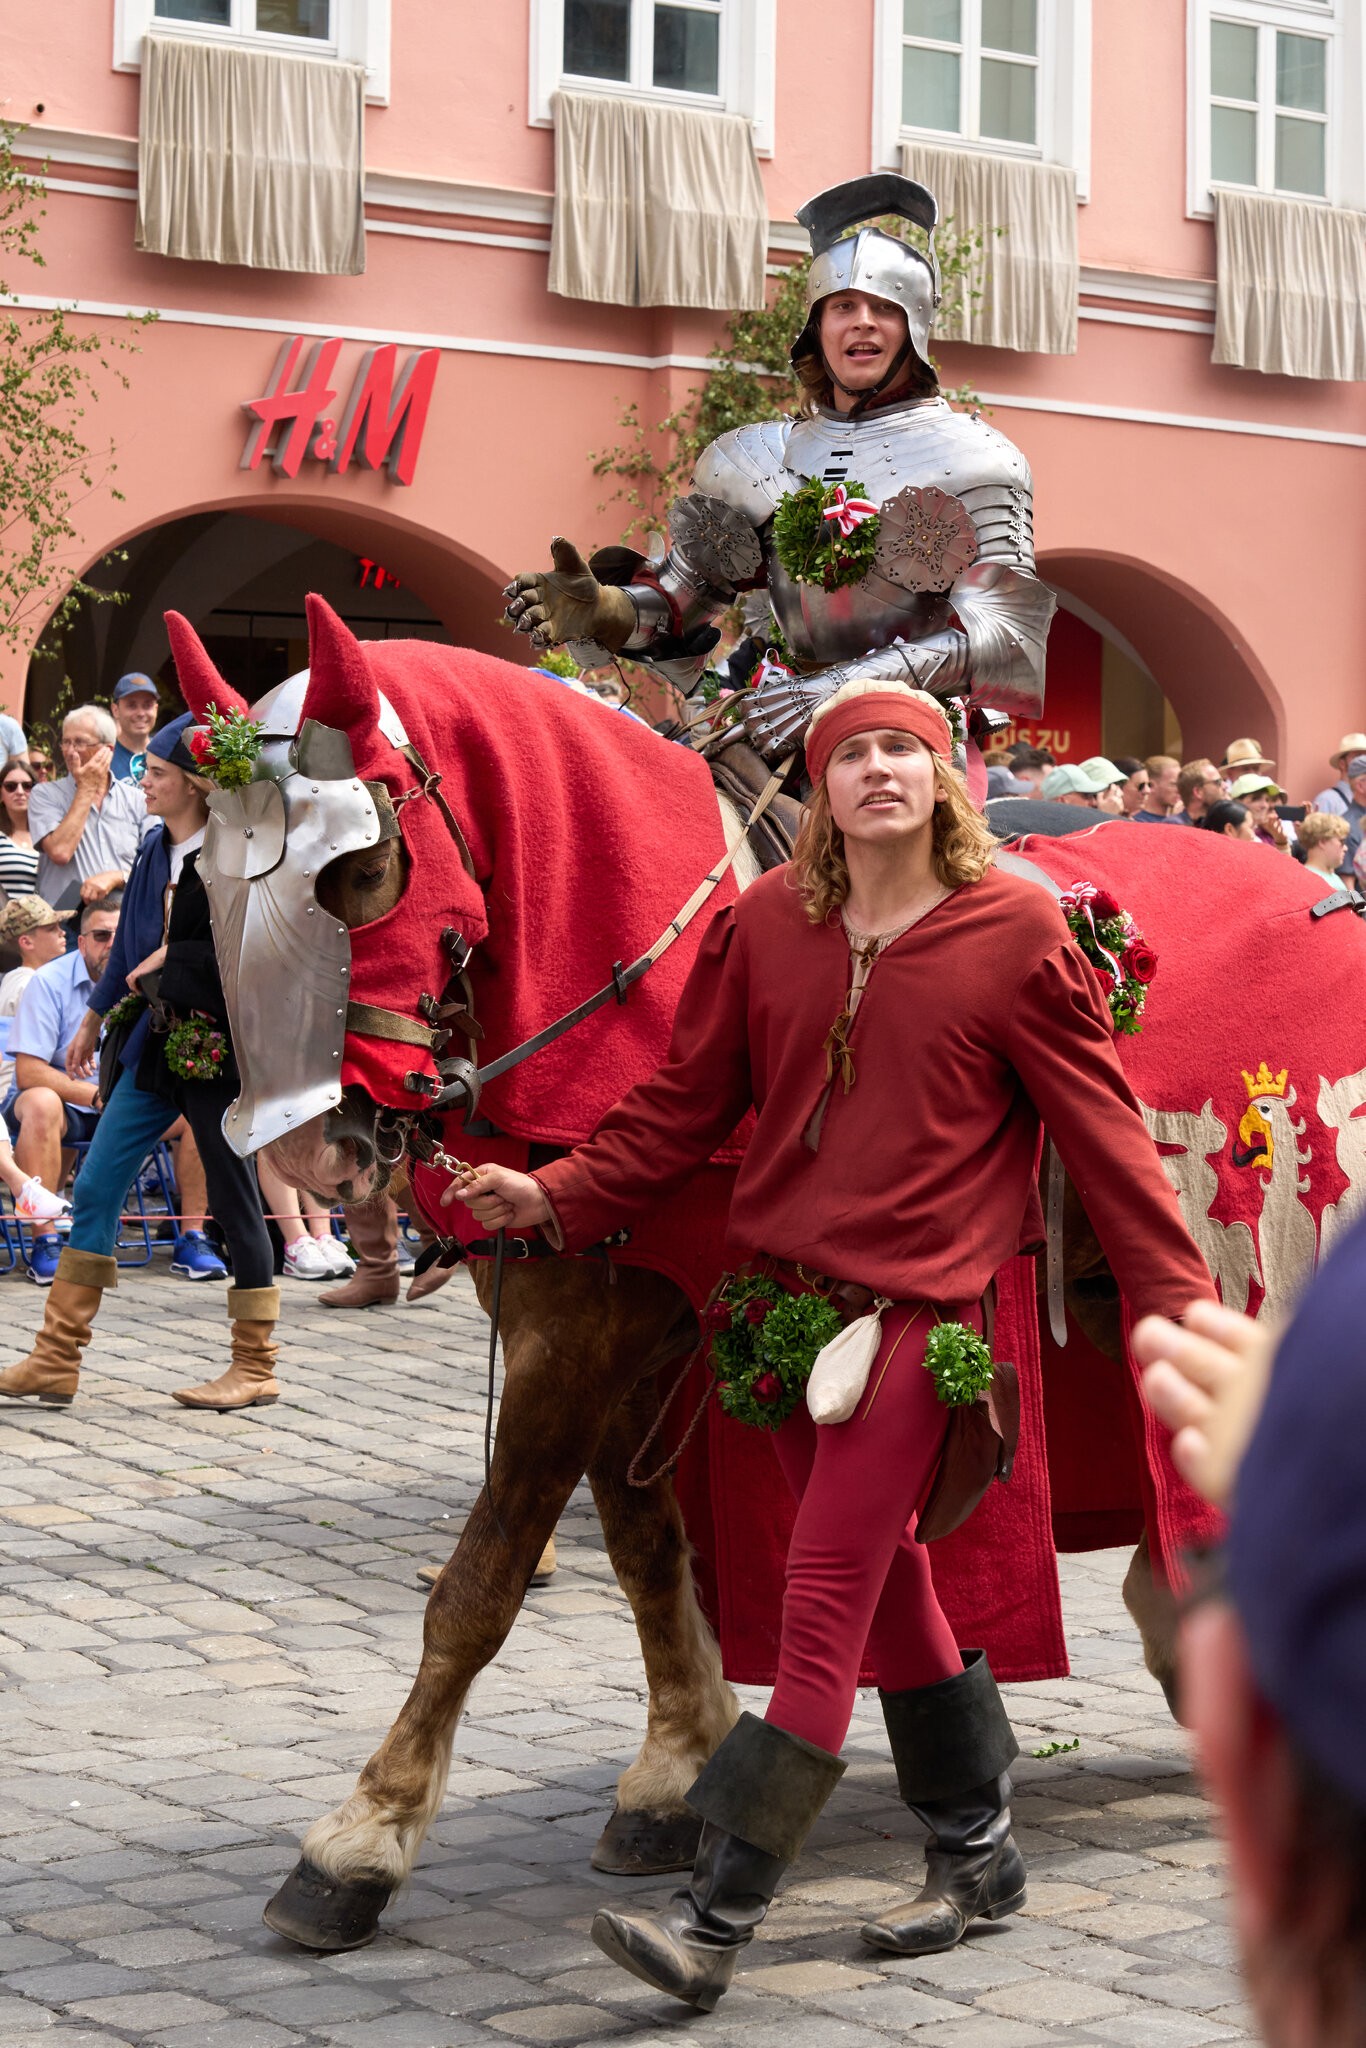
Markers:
569,604
778,710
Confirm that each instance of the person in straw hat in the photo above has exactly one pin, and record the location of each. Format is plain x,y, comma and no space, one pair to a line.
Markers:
1339,797
1244,757
900,1013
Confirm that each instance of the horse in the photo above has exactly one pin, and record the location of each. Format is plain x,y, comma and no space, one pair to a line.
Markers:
430,731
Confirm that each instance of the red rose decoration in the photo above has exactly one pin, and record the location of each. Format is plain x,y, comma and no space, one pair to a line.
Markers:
1103,904
755,1311
767,1388
718,1317
1140,960
201,743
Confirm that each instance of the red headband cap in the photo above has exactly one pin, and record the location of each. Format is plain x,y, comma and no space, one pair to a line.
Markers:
865,709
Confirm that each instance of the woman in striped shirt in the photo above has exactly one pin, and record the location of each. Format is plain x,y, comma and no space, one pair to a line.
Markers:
18,854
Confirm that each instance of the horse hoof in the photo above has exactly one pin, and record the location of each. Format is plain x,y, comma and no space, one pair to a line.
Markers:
644,1844
322,1912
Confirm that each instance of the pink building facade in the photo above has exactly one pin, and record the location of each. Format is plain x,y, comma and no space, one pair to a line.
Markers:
1204,525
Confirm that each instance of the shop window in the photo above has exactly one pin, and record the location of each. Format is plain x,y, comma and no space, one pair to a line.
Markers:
1272,105
1003,77
716,54
356,31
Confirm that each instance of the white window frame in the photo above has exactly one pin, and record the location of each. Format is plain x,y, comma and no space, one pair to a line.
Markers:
1063,106
746,68
1339,23
360,36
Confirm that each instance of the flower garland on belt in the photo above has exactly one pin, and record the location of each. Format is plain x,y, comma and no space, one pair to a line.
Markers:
826,533
1122,958
765,1341
196,1049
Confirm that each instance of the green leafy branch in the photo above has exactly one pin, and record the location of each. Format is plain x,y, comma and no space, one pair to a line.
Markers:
49,374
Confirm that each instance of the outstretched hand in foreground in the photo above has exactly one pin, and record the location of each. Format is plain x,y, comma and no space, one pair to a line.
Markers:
1206,1378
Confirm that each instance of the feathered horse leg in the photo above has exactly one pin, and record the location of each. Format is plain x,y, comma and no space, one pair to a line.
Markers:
692,1708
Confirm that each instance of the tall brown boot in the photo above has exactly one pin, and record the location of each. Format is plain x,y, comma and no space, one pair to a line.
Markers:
53,1367
249,1381
373,1230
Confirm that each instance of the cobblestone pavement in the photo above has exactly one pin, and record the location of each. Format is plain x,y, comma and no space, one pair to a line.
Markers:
206,1623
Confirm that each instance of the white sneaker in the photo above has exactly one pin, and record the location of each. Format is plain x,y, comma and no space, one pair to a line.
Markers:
339,1261
305,1260
36,1205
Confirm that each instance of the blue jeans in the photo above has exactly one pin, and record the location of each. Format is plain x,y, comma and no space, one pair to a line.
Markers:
129,1126
126,1132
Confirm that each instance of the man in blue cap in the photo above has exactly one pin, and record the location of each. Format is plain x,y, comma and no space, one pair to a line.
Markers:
1273,1672
135,707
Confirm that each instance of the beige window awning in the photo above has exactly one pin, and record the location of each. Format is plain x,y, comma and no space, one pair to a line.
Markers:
1025,282
655,205
246,156
1290,286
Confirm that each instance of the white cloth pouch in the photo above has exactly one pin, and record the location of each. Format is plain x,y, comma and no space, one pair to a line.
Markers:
840,1370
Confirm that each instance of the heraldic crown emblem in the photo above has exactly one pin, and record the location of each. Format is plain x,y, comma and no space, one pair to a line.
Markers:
1264,1082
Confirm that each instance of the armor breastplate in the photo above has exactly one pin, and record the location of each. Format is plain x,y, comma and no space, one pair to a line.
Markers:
927,445
826,626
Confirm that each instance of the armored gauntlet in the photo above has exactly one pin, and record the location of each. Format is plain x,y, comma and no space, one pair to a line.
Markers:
569,603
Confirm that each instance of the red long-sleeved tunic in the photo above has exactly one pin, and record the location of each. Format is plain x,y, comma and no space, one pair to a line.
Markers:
976,1022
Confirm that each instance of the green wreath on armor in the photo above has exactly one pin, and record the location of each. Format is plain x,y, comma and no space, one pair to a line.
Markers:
811,547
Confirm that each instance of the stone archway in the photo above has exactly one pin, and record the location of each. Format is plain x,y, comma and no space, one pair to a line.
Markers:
173,563
1213,681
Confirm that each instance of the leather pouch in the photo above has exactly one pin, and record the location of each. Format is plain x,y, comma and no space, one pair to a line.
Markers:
979,1447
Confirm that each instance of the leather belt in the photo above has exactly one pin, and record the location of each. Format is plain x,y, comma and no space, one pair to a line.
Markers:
848,1296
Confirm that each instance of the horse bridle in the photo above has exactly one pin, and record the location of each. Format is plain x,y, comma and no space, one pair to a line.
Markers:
459,1080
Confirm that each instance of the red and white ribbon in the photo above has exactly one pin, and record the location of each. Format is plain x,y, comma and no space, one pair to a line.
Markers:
1080,897
846,513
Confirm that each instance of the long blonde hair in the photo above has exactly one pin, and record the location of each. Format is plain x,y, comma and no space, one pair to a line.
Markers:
963,848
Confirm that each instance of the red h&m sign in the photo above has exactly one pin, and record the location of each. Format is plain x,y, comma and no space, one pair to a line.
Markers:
381,425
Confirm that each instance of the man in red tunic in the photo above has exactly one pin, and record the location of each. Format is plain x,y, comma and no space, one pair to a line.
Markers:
900,1014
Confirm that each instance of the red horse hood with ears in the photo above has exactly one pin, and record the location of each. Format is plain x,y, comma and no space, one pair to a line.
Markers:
587,833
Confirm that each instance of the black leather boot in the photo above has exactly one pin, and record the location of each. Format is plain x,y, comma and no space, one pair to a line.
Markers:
758,1798
951,1744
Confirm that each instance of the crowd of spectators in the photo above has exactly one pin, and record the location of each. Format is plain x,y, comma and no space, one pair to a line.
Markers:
67,848
1237,797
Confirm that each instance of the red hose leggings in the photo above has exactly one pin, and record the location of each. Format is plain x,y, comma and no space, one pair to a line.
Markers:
856,1576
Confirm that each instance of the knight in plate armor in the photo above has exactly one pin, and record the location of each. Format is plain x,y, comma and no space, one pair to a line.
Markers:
949,602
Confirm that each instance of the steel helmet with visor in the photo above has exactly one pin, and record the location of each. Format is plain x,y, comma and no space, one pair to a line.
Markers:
871,261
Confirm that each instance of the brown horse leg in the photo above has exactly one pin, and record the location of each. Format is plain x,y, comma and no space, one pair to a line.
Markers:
692,1709
1152,1608
569,1344
356,1857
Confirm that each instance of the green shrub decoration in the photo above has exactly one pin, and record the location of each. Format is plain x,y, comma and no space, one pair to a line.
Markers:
811,547
961,1363
764,1344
